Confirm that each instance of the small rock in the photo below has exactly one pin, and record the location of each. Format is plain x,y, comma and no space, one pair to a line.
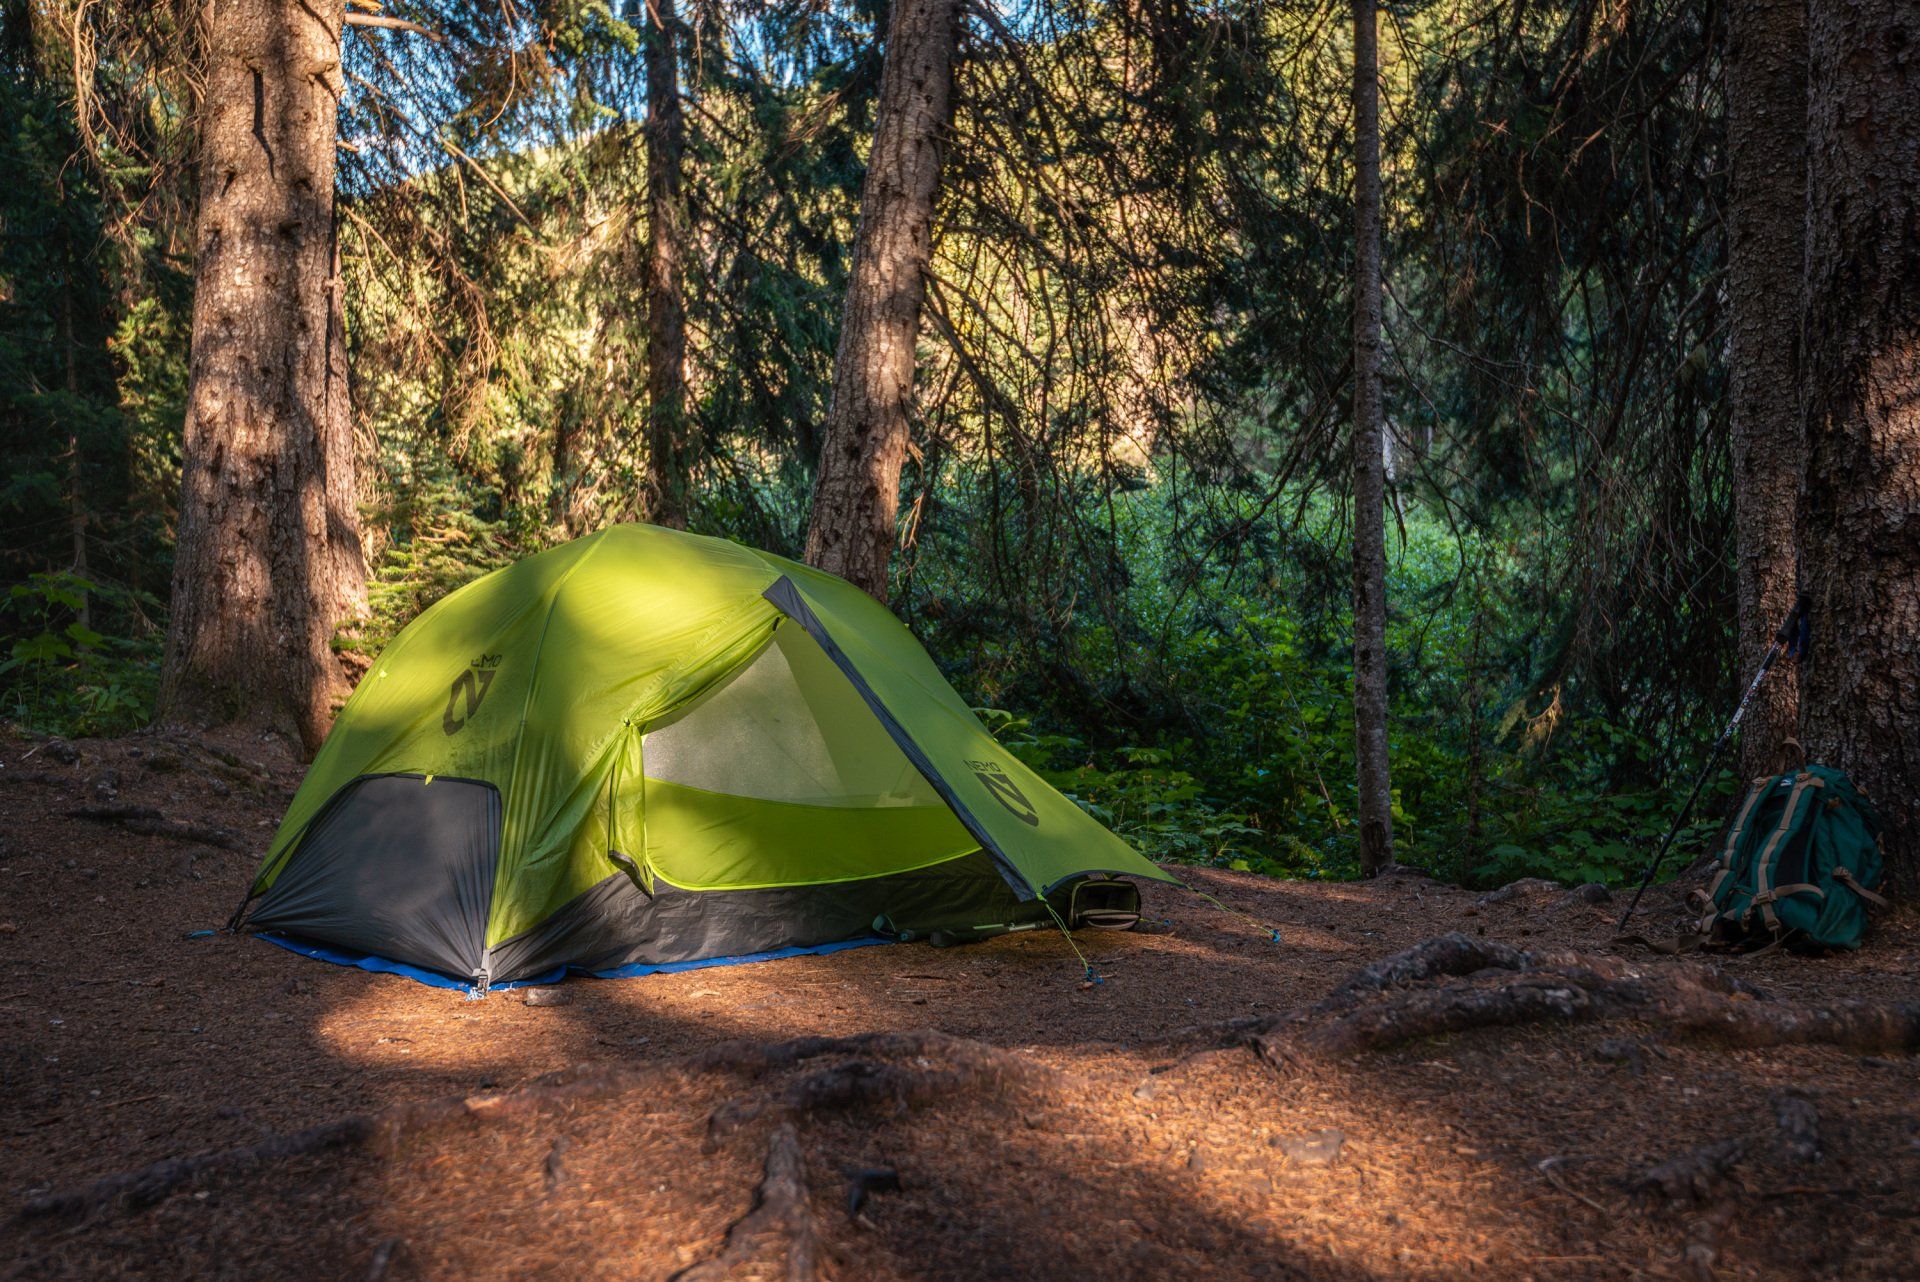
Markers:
90,873
219,787
1315,1148
548,995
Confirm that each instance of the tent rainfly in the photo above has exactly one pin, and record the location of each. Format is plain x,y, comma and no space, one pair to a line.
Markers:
647,747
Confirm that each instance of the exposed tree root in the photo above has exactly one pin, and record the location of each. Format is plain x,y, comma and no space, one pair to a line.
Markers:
894,1070
1506,987
936,1063
1450,954
781,1214
148,822
1693,1176
136,1189
1381,1006
1527,999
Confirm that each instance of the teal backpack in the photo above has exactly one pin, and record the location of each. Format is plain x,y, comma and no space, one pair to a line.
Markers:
1799,866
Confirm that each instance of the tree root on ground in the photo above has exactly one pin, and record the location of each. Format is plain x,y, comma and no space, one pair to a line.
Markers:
1500,987
1381,1006
936,1063
894,1070
781,1214
148,822
1693,1176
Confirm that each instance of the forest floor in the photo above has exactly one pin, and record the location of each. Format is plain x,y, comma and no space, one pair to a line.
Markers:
1221,1106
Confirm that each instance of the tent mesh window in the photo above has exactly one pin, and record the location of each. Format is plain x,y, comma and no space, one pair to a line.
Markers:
784,776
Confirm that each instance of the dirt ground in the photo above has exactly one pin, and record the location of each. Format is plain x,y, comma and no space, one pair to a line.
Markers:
130,1038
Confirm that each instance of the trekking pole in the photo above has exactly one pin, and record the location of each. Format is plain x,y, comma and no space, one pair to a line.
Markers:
1786,638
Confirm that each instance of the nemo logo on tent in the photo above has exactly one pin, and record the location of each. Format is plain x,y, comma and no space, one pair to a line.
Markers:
469,688
1005,791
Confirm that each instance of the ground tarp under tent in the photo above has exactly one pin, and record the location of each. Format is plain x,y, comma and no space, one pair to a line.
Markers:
650,747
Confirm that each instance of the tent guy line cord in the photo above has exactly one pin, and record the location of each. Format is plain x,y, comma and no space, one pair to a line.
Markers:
1273,931
1092,976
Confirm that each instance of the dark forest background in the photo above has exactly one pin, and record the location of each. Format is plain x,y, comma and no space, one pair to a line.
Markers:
1125,515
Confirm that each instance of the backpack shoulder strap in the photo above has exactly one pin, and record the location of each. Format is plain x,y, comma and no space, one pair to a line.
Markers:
1734,833
1763,892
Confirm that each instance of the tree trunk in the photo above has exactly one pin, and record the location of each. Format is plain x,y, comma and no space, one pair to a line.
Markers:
346,554
1369,517
267,551
667,445
1767,210
856,497
1860,504
76,469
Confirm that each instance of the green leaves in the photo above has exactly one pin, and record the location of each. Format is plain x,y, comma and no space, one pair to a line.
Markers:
62,675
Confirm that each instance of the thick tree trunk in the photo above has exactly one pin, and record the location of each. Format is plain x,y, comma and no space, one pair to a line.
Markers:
267,555
856,497
1767,210
667,446
1369,482
1860,505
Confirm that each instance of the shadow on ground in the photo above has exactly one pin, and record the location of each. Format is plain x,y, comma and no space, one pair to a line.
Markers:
128,1044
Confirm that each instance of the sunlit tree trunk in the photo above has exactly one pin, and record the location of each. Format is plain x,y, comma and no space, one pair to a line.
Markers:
1766,215
267,553
667,446
1369,482
1860,505
857,494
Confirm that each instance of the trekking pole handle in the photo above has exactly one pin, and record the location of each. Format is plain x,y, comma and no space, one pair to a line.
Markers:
1790,628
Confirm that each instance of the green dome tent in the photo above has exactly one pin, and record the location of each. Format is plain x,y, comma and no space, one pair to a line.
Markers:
648,747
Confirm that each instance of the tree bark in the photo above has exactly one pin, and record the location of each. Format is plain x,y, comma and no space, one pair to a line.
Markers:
267,558
346,554
1860,504
1767,210
667,445
856,496
1369,482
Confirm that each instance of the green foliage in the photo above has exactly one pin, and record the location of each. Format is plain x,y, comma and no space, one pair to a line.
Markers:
60,676
1217,729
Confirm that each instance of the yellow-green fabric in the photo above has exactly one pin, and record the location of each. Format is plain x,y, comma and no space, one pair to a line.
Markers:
543,679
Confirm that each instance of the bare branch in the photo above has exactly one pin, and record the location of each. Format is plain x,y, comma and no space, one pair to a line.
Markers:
383,23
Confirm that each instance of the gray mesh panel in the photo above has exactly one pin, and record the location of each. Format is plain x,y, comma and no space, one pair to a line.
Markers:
788,728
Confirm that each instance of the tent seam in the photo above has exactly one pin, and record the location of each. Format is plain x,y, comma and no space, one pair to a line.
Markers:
520,729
